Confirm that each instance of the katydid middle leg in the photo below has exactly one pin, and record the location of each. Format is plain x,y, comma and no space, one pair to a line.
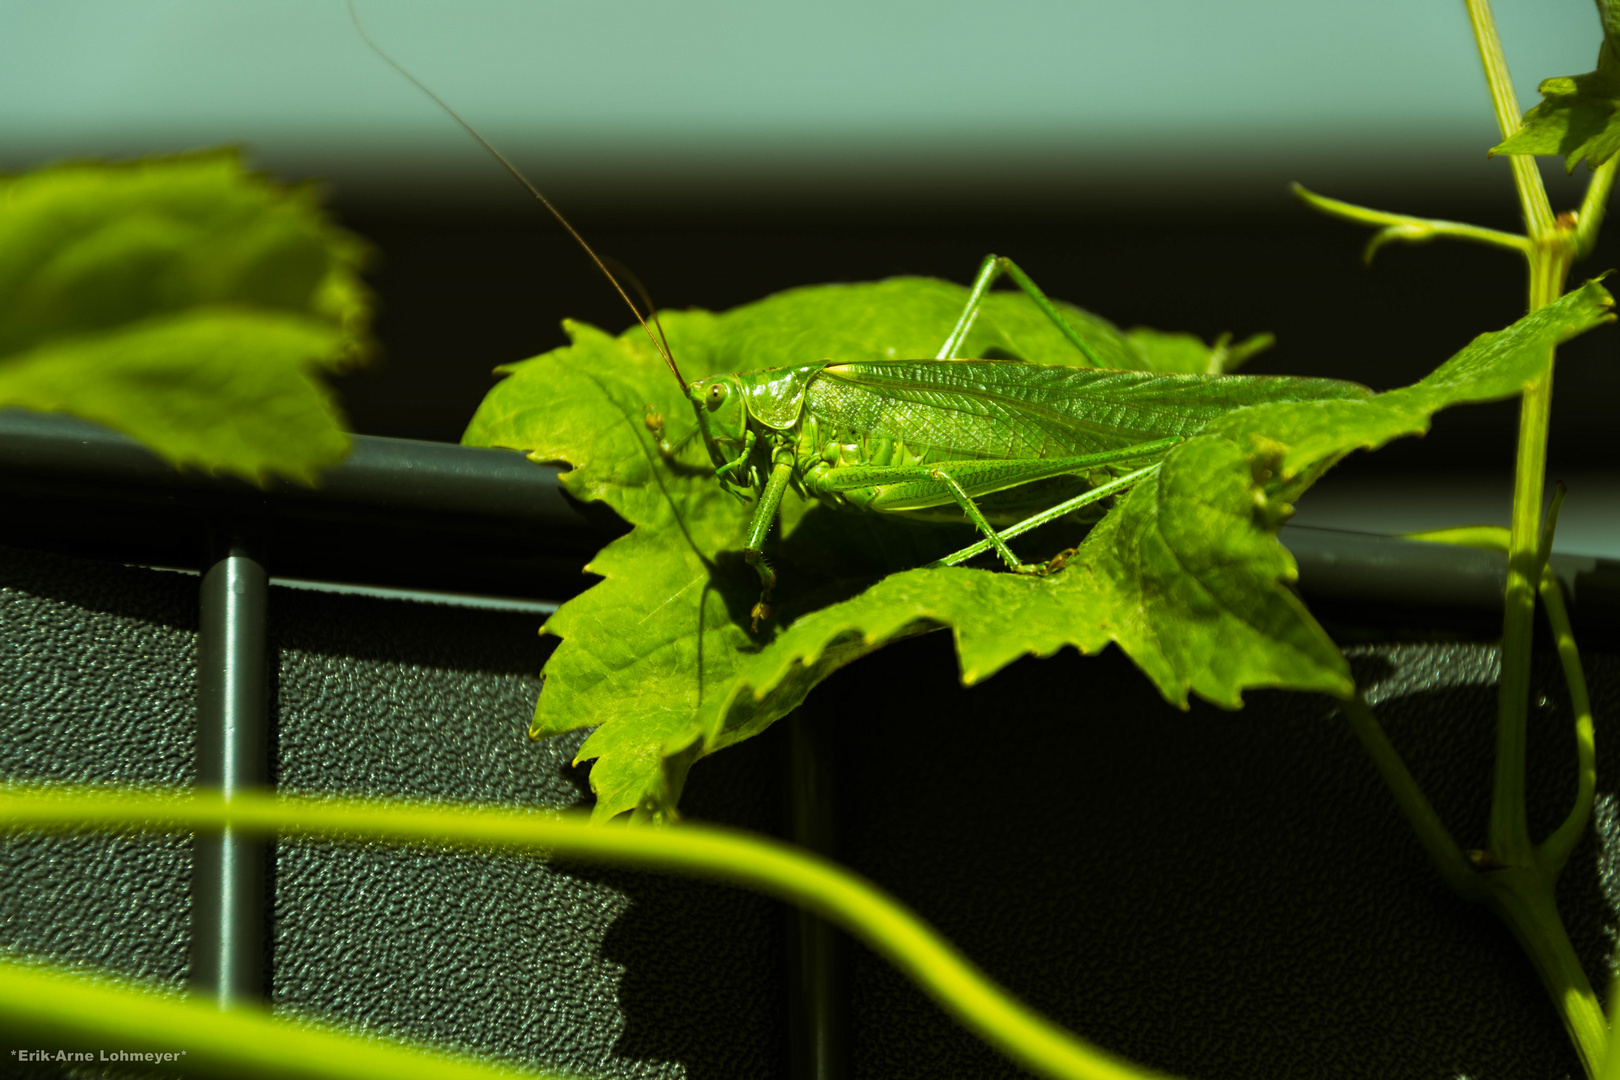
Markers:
989,270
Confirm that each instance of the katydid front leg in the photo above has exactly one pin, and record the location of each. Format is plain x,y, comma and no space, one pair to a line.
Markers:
770,501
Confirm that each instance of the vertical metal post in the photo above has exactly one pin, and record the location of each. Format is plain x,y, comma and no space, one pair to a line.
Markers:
817,999
228,870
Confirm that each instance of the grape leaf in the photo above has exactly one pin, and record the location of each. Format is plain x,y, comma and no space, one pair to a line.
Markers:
185,302
1578,118
1185,574
1185,353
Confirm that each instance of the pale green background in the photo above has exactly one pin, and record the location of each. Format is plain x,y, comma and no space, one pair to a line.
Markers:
757,96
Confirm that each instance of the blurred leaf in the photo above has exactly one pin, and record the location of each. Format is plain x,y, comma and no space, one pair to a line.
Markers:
185,302
1184,574
909,318
1189,355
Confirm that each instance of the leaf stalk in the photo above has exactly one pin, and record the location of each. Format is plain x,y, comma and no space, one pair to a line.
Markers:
1554,850
1589,218
1408,229
1455,869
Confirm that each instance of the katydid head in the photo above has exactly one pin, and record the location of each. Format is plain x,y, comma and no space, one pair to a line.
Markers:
722,420
721,408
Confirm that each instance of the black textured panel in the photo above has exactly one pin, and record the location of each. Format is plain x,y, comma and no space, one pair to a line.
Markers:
97,684
1219,895
613,974
97,671
622,974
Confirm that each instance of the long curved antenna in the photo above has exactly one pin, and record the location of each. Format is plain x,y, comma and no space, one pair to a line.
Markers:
646,298
662,346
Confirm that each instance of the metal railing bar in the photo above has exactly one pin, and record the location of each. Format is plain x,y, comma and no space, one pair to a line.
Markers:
229,880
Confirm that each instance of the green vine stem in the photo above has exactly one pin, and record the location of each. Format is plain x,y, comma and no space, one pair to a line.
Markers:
1523,894
1550,258
765,866
1538,215
1523,898
1554,851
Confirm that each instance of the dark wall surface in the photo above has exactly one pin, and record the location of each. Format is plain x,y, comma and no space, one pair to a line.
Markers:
1217,895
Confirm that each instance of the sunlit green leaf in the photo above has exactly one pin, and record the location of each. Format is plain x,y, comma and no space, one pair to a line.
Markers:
1185,574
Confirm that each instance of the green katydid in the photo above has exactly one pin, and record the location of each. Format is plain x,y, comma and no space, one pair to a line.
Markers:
915,436
911,436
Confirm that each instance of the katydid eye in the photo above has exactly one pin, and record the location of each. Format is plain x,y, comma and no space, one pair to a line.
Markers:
717,394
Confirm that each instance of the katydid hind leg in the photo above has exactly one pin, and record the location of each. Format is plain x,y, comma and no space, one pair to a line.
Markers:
1052,513
980,476
989,272
980,522
1049,309
911,487
988,531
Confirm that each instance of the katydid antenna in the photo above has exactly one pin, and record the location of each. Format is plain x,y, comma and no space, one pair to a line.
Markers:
659,341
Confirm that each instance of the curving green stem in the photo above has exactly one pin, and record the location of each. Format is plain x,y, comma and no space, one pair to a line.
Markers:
1554,850
765,866
70,1009
1589,218
1411,230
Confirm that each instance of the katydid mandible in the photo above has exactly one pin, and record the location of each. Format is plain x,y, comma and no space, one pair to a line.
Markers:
913,436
